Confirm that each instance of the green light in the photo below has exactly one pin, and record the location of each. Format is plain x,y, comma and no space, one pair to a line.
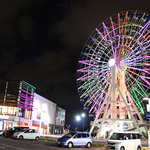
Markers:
133,99
29,85
86,84
138,92
139,105
88,91
142,89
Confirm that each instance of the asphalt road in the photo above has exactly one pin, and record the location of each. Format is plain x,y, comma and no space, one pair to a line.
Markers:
14,144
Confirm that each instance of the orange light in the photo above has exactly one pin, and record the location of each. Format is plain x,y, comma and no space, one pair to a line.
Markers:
132,72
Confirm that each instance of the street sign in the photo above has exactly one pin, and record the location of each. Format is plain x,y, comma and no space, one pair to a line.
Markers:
148,115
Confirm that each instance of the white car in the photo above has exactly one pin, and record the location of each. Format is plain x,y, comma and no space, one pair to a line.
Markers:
27,134
124,141
1,132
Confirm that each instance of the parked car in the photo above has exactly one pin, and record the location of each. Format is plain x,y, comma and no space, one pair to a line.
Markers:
75,139
27,134
11,131
1,132
124,141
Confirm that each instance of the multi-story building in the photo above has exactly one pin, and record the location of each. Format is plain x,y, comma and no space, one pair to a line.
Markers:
60,120
43,115
21,106
16,103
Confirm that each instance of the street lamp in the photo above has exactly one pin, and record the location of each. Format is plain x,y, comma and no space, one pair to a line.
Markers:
83,116
78,118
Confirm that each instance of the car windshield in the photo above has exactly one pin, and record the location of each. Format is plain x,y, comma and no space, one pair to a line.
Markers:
117,136
69,135
22,130
11,129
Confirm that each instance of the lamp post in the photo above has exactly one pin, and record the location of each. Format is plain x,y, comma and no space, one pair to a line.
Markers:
83,116
78,118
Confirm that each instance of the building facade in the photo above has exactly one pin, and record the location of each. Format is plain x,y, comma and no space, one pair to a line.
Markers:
60,120
16,103
43,115
21,106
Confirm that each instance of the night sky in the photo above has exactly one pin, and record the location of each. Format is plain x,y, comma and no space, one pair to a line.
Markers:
41,41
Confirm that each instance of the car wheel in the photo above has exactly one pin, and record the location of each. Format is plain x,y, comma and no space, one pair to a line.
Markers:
70,145
139,148
122,148
21,137
88,145
37,138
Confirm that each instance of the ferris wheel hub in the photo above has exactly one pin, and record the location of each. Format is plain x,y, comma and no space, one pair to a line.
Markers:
111,62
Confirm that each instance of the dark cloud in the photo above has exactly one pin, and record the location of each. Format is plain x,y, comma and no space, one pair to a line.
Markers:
77,26
52,61
8,10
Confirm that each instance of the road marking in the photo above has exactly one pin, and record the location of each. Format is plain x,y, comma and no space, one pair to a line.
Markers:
2,147
12,146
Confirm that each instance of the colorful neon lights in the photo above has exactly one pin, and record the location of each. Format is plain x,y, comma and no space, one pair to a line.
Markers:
122,38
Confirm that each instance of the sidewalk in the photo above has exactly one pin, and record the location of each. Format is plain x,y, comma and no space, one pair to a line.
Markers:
145,145
146,148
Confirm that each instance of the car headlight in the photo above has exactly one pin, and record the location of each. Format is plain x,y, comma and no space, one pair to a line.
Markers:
118,143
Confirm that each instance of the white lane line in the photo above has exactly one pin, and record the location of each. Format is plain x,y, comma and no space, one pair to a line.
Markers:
13,146
2,147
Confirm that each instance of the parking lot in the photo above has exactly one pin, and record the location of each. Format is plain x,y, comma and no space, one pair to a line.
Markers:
14,144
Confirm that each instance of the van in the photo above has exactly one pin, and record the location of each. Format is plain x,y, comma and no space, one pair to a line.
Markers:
124,141
75,139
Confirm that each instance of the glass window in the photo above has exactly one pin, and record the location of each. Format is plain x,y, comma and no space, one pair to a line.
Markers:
117,136
32,131
85,135
78,136
27,113
4,110
69,135
0,111
27,131
36,131
127,136
136,136
38,115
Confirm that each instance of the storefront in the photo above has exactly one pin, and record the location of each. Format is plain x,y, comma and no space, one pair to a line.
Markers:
21,106
43,115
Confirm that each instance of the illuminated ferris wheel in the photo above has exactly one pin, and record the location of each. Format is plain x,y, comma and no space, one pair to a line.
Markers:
113,74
